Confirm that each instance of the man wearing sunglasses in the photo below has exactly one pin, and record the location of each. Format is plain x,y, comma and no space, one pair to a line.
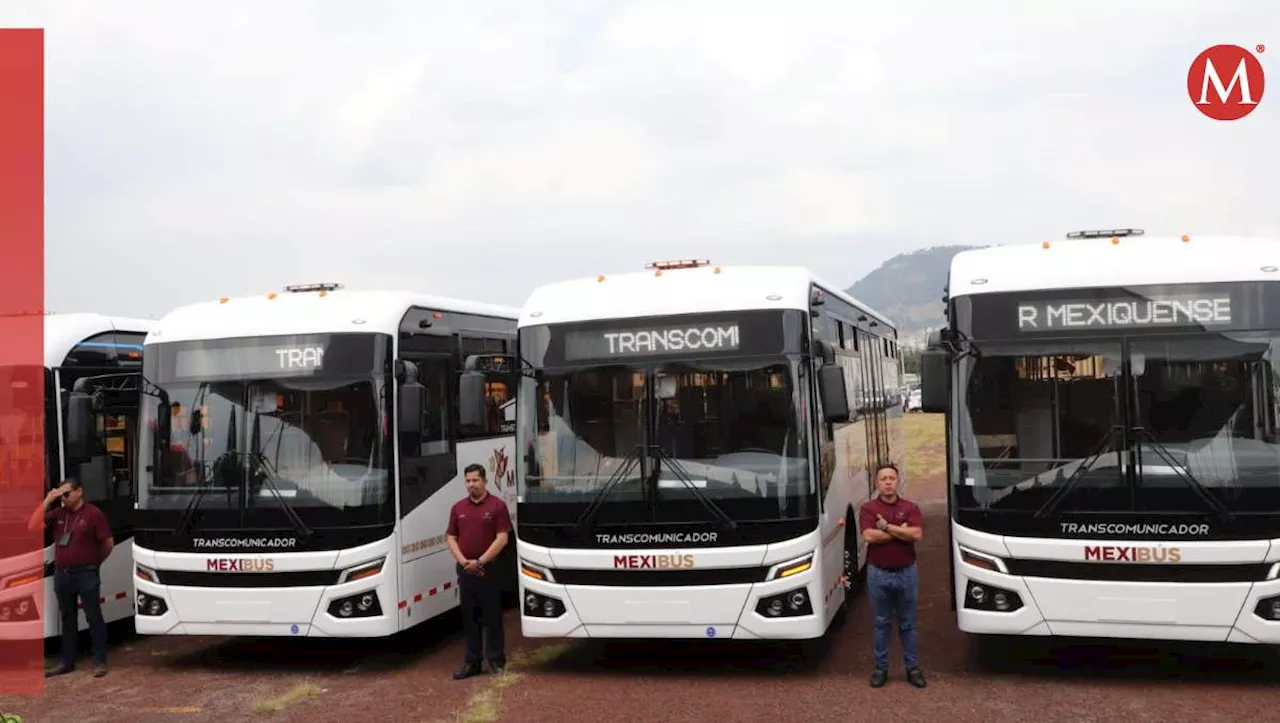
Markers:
81,541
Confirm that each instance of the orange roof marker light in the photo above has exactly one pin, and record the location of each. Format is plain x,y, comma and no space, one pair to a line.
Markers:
600,278
1044,245
1185,238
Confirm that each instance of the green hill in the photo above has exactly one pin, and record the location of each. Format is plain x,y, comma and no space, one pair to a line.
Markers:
908,288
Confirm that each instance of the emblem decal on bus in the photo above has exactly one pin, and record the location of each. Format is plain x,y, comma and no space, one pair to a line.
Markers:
653,562
240,564
1112,553
503,476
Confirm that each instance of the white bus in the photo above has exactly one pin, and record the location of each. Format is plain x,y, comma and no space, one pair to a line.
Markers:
100,358
694,444
1112,409
299,455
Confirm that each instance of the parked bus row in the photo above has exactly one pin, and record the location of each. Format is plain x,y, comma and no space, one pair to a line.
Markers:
689,449
684,449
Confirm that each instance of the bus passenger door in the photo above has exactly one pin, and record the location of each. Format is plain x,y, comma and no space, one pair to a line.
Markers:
428,463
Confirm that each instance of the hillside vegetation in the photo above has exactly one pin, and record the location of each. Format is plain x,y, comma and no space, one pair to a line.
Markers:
908,289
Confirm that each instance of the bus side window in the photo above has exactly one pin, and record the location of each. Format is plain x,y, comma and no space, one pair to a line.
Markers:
434,373
497,391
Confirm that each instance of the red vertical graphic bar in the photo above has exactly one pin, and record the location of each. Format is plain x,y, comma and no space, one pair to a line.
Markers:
22,379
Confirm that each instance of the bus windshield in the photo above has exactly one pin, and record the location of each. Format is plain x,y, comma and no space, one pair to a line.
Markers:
657,442
1147,424
238,448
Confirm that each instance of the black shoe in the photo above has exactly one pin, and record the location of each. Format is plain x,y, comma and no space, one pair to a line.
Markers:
99,670
497,668
916,678
58,670
879,677
466,671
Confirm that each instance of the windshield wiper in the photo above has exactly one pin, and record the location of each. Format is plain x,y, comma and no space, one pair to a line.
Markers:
1056,499
726,521
619,475
1221,510
268,473
189,514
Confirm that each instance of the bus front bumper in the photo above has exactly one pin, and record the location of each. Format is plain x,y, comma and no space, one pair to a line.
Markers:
777,609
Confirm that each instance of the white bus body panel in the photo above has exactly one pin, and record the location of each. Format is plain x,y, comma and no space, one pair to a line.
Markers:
62,332
1096,262
1100,608
688,611
1220,612
713,610
418,580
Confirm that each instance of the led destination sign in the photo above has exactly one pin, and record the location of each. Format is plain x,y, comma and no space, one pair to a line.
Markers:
302,355
1073,315
609,343
249,360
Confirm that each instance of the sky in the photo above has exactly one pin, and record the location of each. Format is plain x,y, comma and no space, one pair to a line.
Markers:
477,150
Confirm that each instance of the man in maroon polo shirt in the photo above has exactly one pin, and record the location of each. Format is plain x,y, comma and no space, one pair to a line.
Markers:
479,526
81,541
892,526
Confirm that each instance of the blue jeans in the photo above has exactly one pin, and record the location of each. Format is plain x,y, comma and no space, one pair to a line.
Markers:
893,594
83,583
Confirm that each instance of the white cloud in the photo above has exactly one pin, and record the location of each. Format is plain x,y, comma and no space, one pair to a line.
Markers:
478,150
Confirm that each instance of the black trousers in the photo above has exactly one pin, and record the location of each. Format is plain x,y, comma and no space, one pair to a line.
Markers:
82,584
481,599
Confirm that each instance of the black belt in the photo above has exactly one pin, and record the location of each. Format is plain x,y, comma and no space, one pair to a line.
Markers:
899,568
77,568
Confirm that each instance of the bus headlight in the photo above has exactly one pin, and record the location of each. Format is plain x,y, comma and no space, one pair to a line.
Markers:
792,603
537,572
20,610
1268,608
791,567
362,571
541,606
361,605
981,596
151,605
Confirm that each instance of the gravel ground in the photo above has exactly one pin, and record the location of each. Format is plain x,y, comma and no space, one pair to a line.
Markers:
207,679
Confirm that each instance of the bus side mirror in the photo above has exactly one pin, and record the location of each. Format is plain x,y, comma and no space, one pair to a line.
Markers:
412,399
80,427
835,397
164,424
933,381
471,399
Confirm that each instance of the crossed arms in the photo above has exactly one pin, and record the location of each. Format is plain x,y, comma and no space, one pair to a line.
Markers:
912,531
